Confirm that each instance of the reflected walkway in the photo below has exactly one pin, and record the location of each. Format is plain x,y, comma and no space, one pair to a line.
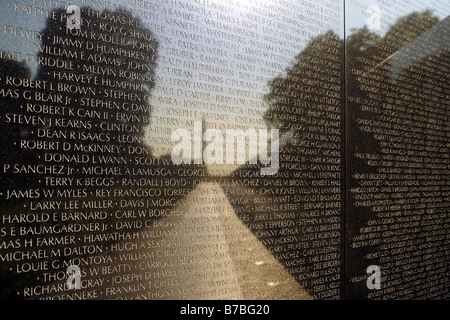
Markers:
207,253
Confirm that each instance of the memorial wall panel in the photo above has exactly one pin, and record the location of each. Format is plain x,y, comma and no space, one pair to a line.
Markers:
397,153
224,149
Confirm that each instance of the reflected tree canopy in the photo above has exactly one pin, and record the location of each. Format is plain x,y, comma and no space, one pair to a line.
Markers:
325,91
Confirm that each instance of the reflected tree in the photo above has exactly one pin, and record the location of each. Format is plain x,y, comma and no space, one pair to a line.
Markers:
323,89
108,74
98,82
398,133
12,104
291,96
